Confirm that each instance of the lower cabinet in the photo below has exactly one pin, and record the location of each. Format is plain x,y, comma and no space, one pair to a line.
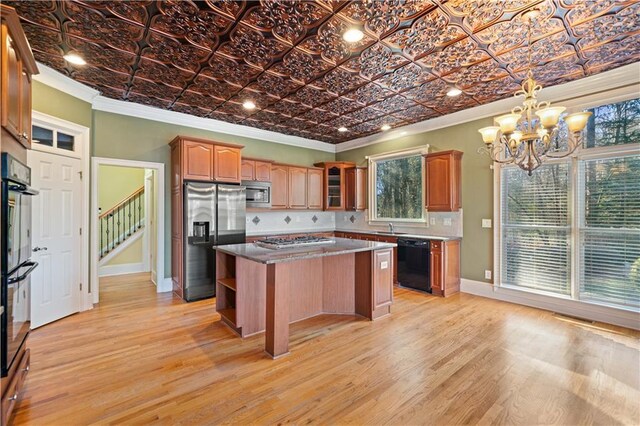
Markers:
445,267
16,378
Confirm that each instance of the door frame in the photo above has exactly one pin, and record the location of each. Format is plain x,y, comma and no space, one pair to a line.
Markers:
96,162
150,179
83,137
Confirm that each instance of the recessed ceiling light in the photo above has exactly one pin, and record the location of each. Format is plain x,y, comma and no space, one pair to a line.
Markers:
353,35
249,105
385,127
75,59
453,91
342,129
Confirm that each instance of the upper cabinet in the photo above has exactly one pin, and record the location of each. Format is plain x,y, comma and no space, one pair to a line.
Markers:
226,164
334,184
279,186
17,67
356,188
295,187
314,188
256,170
443,181
208,161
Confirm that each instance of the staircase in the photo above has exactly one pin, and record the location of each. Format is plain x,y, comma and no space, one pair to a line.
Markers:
121,222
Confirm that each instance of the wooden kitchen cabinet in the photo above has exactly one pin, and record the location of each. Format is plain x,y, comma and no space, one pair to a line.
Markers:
248,169
445,267
382,278
279,186
443,181
258,170
226,164
334,184
314,188
16,68
197,161
356,188
297,188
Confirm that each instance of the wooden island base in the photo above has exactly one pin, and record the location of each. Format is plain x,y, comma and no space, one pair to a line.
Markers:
254,297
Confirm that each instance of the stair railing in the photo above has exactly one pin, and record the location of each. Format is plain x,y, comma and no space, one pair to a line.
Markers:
121,221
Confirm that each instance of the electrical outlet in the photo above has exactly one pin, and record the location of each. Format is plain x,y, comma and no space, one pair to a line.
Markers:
486,223
447,221
432,221
487,274
344,218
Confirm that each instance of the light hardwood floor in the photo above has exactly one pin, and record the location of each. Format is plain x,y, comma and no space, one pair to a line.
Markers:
141,357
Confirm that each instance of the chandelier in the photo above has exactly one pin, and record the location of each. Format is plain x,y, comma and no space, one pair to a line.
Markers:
524,140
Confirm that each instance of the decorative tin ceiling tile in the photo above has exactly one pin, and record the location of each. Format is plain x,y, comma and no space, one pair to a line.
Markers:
253,47
312,96
108,58
381,16
183,19
459,54
43,39
213,87
206,58
426,34
378,60
602,29
409,76
301,66
288,20
170,51
92,24
152,70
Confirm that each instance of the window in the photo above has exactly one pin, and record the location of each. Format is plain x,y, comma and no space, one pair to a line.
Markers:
57,140
573,228
396,185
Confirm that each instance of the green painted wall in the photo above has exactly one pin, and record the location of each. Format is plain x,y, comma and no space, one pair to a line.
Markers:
130,138
59,104
477,186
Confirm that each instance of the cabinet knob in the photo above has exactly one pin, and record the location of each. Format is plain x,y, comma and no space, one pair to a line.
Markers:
14,397
27,368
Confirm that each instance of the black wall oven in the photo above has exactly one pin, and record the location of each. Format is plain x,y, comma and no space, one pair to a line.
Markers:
17,266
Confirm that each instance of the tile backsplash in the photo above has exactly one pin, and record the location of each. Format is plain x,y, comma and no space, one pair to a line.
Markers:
264,223
439,224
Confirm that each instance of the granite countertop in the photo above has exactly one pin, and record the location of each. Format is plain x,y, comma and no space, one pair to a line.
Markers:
400,235
298,231
259,254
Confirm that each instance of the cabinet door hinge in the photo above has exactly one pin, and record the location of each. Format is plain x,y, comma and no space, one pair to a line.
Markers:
80,286
80,231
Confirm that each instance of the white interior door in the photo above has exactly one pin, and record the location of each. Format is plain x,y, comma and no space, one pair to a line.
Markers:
56,240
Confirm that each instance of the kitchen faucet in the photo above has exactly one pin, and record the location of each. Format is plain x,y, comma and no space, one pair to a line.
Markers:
391,227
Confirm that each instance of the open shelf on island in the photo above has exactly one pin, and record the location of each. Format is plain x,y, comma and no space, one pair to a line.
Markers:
229,314
228,283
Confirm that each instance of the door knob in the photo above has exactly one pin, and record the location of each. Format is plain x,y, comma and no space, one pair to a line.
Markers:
39,248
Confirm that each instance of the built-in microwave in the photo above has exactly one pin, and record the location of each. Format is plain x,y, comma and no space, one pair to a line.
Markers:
258,193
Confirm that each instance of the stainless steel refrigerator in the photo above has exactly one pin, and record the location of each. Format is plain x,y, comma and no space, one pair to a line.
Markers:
214,214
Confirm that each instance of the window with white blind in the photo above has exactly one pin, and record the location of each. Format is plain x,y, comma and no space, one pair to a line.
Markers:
536,229
584,210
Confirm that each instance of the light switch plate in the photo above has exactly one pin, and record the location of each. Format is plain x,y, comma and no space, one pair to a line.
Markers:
487,274
486,223
447,221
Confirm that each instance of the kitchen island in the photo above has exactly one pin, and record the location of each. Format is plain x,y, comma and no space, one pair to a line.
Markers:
260,289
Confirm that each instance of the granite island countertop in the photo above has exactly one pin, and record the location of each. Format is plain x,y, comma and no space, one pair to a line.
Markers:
254,252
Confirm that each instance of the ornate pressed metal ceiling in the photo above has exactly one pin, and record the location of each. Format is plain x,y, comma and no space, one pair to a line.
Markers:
205,58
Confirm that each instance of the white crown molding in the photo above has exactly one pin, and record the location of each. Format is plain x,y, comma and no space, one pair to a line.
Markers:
131,109
59,81
573,94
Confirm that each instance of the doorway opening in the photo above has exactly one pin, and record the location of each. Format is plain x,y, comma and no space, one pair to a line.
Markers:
128,220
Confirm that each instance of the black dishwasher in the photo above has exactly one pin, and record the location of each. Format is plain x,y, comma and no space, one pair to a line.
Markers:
413,264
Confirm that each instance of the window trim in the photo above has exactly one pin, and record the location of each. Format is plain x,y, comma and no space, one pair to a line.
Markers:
371,185
593,101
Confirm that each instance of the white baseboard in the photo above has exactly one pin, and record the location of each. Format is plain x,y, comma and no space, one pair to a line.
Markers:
166,285
125,268
575,308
